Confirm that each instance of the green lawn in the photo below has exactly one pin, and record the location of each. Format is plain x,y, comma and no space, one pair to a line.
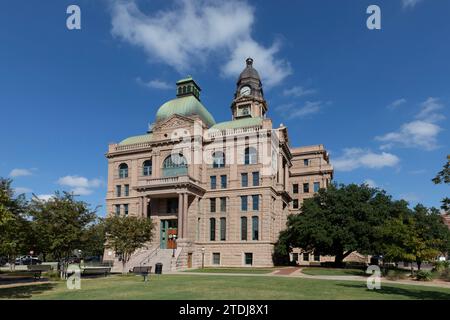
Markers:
333,272
189,287
234,270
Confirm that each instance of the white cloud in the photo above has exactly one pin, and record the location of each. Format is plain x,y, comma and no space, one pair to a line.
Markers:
298,91
354,158
410,3
420,133
191,32
20,190
80,185
397,103
291,111
429,110
410,197
415,134
155,84
371,183
44,197
20,173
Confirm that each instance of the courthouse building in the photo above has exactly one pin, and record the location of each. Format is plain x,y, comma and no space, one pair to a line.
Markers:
218,193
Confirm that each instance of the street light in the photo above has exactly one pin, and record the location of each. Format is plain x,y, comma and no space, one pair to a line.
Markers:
203,257
174,245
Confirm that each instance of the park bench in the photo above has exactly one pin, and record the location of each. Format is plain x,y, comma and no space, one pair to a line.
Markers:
37,270
143,271
95,271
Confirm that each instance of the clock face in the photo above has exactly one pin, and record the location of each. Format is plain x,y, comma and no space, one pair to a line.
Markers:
245,91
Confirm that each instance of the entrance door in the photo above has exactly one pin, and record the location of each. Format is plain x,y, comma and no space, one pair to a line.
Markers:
189,260
168,231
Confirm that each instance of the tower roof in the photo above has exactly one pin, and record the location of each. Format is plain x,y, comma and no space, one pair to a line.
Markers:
249,71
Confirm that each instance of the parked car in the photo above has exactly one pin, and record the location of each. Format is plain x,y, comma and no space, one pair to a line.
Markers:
27,260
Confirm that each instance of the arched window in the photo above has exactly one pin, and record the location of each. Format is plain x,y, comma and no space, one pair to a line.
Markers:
147,168
255,228
123,170
184,89
218,159
243,228
174,165
180,90
250,156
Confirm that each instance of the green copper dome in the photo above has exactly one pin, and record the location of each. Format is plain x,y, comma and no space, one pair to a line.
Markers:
185,106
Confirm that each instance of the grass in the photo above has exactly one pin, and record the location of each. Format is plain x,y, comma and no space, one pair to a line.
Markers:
333,272
234,270
192,287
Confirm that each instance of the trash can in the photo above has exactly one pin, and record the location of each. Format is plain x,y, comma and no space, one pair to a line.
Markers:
158,268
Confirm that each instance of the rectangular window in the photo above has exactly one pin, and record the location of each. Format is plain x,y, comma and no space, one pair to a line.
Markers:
316,186
316,257
212,229
295,203
213,182
255,228
255,179
127,190
306,188
118,191
295,188
244,179
306,257
244,200
216,258
243,228
212,204
306,162
172,205
223,181
223,229
125,209
255,200
223,204
117,209
248,258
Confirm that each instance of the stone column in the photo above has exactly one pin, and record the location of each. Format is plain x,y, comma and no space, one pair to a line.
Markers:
180,215
144,206
185,215
286,177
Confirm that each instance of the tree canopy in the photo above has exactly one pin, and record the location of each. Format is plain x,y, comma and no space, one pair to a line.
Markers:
126,234
347,218
443,176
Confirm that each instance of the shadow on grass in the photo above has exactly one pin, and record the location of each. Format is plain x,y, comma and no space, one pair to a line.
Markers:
25,291
414,293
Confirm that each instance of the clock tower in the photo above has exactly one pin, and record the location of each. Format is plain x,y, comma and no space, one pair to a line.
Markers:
249,97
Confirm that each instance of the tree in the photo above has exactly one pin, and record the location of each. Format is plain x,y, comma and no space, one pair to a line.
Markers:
14,228
59,224
443,176
126,234
93,240
418,235
340,220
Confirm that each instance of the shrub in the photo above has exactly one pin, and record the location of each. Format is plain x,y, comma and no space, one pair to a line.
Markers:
445,275
397,274
441,266
424,275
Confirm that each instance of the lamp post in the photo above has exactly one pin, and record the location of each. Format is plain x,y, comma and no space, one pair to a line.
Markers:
175,242
203,257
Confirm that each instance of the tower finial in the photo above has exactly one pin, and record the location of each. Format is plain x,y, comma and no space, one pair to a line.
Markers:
249,61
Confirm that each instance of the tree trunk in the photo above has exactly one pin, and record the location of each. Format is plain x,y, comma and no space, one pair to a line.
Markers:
339,258
419,263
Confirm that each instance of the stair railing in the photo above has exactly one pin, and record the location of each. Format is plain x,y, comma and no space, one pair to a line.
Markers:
151,255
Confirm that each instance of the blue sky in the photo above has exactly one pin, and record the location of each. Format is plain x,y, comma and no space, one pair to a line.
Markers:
377,99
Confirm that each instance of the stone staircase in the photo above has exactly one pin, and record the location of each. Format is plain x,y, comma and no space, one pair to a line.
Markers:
149,257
